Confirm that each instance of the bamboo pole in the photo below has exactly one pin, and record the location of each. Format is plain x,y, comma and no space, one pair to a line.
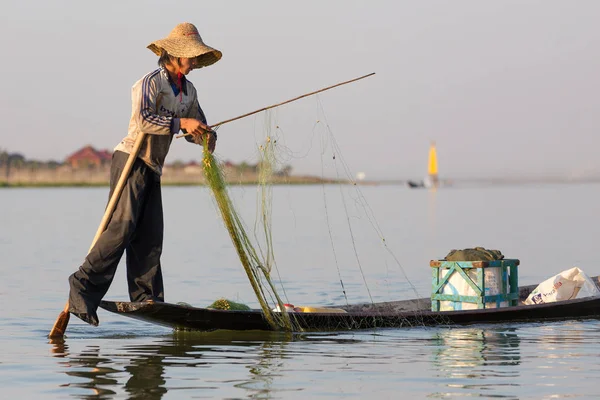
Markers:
284,102
60,326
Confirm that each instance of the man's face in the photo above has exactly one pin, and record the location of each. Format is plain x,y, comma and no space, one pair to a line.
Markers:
186,65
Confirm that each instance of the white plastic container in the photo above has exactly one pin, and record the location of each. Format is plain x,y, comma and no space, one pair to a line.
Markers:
457,285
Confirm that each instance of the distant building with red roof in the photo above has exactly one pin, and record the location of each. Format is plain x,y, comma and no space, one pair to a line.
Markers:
88,156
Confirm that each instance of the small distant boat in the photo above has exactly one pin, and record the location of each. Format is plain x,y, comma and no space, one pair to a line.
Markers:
431,180
413,184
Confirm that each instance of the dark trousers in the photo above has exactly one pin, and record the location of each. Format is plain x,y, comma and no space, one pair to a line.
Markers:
136,226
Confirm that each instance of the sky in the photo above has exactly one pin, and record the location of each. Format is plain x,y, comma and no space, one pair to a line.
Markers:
506,89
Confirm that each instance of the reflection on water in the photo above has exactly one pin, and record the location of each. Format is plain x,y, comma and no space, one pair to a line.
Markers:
143,373
469,348
524,361
254,363
477,360
87,365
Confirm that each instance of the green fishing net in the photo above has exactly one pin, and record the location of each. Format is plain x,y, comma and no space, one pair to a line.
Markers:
226,304
256,265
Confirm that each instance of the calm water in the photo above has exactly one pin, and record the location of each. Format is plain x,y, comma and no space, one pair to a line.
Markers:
45,234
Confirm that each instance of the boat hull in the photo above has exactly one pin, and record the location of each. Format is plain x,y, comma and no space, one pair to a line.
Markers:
378,316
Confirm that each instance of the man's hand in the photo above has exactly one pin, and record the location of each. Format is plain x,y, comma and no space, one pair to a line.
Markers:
193,126
198,129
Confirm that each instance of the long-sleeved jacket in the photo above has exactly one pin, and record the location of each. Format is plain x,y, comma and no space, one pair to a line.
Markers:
157,106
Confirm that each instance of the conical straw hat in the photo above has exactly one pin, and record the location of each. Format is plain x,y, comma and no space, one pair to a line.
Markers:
185,41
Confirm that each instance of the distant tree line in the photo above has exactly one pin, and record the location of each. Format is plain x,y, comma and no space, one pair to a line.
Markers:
10,161
18,160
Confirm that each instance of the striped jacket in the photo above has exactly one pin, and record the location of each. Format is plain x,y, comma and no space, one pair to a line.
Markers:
157,106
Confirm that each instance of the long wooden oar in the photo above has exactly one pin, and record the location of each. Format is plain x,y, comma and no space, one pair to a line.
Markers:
60,326
283,102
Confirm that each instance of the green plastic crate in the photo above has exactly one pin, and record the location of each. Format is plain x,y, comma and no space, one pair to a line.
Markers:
473,274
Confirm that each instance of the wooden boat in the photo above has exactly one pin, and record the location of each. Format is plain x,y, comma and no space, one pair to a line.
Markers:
406,313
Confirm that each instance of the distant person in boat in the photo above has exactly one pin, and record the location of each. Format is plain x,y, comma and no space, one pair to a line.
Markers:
164,103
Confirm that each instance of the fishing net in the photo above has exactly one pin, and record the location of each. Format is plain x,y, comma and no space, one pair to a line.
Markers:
257,266
257,256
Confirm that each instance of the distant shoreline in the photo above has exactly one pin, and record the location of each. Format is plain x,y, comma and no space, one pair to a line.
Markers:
66,176
4,185
193,175
310,180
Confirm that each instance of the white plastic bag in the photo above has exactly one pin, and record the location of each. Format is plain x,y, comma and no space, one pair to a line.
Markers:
569,284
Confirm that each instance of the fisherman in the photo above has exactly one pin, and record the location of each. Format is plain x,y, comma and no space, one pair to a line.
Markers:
164,103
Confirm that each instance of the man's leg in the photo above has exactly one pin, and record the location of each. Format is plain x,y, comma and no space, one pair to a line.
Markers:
144,274
91,281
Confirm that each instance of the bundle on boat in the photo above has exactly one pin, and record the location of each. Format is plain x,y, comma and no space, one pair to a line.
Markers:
226,304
